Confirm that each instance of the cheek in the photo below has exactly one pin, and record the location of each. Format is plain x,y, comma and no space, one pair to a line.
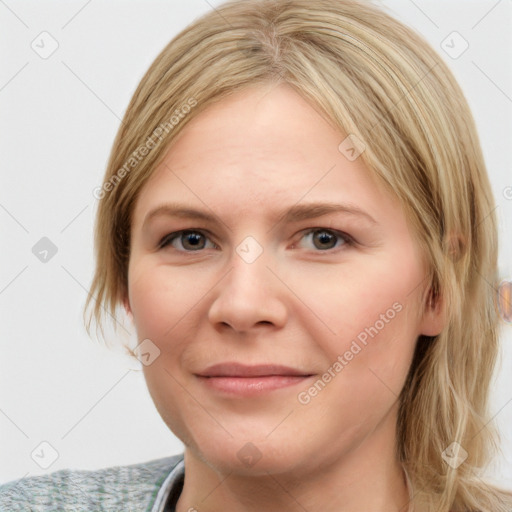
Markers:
349,298
160,303
368,317
148,308
159,299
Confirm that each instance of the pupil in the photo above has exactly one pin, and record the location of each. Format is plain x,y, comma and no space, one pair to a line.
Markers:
324,237
192,239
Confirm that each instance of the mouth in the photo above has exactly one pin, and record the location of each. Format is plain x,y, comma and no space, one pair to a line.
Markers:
243,380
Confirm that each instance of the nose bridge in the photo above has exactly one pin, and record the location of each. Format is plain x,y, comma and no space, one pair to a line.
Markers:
248,262
249,273
249,251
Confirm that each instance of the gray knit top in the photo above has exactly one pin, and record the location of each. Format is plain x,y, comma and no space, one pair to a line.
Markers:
153,486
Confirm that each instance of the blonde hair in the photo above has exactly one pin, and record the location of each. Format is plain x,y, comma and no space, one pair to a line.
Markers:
373,77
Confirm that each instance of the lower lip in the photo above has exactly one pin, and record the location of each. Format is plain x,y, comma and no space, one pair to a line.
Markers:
250,386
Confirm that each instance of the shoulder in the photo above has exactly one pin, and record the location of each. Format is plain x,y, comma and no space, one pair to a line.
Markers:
133,487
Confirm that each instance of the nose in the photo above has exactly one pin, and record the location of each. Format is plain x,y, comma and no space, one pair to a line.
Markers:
249,298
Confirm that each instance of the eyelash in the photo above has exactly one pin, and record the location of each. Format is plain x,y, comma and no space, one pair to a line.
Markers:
169,238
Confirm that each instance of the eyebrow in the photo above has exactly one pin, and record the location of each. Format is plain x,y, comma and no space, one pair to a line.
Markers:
295,213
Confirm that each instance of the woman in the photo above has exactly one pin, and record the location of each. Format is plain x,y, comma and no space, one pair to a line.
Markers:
298,376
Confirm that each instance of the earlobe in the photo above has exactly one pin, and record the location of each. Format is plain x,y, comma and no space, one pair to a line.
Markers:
433,320
127,308
434,310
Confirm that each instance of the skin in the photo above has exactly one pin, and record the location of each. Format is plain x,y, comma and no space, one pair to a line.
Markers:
301,303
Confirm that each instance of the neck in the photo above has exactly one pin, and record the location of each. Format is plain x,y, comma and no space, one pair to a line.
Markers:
368,477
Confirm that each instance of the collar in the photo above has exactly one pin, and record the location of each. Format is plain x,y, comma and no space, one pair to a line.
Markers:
170,490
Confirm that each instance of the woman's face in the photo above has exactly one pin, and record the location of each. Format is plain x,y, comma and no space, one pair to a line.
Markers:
294,257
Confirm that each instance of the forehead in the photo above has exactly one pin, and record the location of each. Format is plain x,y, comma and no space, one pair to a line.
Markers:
263,145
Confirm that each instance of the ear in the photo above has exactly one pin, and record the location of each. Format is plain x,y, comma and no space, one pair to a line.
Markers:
127,308
433,319
454,245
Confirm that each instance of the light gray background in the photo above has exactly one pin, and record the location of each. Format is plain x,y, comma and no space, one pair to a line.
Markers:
58,119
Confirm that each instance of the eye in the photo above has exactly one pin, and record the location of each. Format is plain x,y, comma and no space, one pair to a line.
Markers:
327,239
186,241
193,240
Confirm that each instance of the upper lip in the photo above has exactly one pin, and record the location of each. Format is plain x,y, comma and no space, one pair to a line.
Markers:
241,370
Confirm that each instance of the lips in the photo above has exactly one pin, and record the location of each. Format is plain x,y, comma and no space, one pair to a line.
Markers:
241,370
242,381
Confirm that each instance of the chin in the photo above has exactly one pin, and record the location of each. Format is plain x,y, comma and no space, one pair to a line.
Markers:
255,458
